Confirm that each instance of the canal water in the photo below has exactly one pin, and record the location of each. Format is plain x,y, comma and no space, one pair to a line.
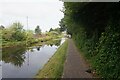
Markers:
22,62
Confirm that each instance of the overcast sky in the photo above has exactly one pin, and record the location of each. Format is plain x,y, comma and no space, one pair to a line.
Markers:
45,13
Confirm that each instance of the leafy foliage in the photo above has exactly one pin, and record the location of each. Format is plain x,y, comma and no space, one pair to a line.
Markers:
62,25
107,60
95,29
14,33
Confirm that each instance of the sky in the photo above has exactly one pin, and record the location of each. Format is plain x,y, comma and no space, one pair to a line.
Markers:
45,13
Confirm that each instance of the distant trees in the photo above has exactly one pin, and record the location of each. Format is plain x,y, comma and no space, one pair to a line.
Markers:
38,30
50,30
55,30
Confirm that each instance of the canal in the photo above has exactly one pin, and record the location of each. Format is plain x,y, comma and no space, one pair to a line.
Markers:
22,62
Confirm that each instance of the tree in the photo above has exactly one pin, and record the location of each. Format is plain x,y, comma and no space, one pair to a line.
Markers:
17,26
15,32
38,30
18,32
50,30
62,25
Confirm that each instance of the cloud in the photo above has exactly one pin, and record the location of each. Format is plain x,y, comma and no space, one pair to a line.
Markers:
45,13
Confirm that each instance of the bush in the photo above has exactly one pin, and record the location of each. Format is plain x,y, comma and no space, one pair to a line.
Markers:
107,59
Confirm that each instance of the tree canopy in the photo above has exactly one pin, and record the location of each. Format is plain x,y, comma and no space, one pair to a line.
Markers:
95,27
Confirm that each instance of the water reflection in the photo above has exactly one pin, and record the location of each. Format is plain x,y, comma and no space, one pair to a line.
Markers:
16,55
38,48
49,43
54,42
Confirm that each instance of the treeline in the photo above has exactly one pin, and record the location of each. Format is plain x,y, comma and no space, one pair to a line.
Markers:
15,35
95,27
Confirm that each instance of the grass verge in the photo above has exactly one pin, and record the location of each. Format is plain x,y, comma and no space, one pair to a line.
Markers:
54,67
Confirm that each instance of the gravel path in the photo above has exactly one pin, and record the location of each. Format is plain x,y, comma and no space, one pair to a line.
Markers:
75,66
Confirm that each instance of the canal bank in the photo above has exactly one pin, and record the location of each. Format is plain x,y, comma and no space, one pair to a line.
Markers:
54,67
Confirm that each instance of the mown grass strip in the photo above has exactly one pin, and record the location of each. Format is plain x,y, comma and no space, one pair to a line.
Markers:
54,67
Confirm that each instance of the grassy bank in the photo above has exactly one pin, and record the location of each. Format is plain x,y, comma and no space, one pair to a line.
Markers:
54,67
